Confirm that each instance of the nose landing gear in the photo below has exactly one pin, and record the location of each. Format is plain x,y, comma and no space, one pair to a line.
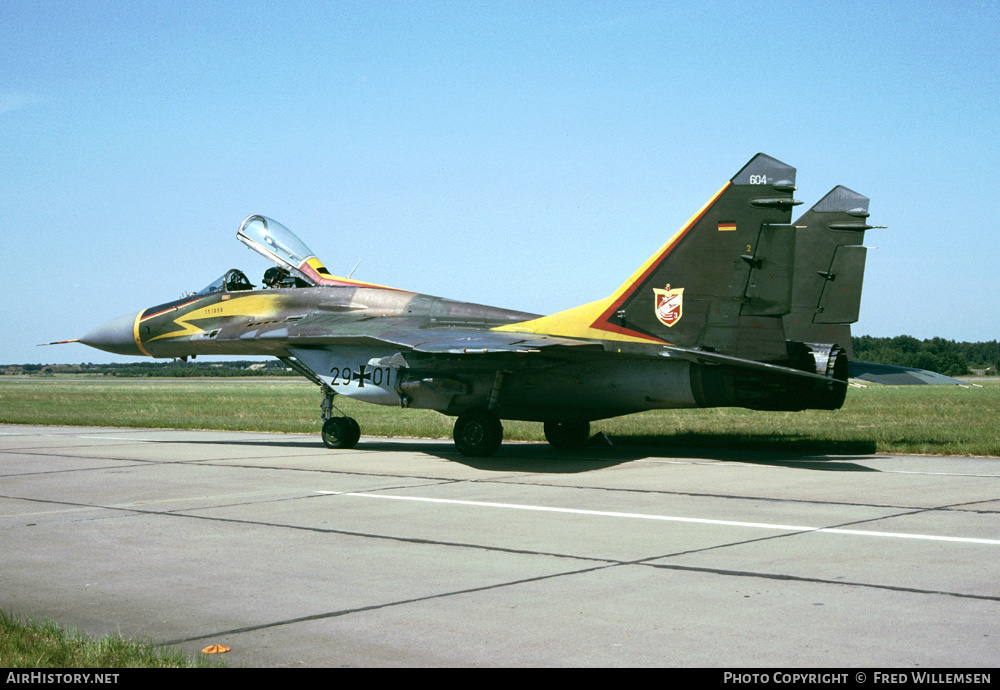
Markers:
341,432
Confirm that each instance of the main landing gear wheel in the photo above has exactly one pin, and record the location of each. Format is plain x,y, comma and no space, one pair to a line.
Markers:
341,433
478,433
567,435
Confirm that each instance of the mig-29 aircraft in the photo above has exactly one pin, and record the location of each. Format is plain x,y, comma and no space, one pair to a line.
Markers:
738,309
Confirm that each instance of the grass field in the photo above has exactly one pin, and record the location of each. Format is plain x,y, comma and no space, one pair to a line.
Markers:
941,420
44,644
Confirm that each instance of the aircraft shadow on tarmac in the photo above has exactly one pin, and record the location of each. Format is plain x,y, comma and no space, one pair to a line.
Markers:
803,453
540,457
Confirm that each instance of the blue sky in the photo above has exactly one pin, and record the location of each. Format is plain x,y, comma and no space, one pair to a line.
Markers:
528,155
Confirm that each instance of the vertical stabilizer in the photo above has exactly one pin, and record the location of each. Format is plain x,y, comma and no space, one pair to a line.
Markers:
829,269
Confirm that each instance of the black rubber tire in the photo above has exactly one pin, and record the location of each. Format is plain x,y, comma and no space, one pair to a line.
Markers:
567,434
478,433
355,431
340,433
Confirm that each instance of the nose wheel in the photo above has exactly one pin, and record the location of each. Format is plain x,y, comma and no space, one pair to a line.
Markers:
341,433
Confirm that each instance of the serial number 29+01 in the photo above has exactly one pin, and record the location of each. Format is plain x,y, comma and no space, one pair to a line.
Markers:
361,374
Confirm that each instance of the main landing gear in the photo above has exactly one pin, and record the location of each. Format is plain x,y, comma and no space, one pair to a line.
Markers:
478,433
567,435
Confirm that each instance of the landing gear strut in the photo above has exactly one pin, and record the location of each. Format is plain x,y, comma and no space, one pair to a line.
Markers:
478,433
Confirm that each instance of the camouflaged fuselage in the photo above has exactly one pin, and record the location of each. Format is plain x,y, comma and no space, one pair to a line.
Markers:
269,322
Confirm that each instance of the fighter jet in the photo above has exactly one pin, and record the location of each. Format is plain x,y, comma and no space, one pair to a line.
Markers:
709,320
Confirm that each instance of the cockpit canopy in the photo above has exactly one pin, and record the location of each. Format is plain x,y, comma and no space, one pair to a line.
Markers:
274,241
296,265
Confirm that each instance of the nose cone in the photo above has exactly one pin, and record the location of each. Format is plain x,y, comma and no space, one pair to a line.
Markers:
117,336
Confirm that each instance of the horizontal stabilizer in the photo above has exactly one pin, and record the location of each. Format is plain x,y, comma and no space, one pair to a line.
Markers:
891,375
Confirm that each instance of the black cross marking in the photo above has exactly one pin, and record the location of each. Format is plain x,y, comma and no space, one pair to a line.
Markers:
361,375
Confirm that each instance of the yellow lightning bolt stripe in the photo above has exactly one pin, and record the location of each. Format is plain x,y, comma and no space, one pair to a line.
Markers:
264,306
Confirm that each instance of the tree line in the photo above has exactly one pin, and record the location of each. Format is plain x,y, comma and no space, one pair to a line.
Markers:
946,357
173,368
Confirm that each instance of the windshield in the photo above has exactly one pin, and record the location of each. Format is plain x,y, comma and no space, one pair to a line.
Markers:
214,286
233,280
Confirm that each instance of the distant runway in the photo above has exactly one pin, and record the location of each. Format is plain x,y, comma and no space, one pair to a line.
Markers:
405,553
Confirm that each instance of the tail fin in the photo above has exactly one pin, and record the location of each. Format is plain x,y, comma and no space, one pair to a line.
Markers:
829,269
723,282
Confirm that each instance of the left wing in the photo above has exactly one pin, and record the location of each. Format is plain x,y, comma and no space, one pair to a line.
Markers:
480,344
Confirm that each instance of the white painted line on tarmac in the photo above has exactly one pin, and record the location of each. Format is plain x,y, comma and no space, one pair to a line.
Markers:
749,465
672,518
941,474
